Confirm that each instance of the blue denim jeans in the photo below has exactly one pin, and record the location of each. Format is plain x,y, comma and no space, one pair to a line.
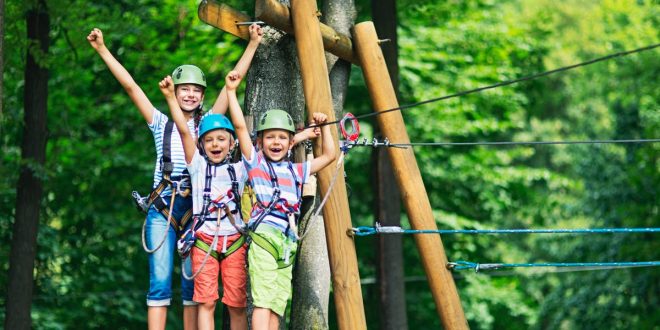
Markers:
161,262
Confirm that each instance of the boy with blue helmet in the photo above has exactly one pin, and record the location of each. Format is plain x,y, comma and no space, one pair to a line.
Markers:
217,184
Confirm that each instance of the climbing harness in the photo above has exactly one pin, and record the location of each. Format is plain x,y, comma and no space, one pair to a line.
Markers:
189,240
178,184
281,205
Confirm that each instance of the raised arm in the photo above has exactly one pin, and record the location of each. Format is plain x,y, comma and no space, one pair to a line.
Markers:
244,142
189,148
243,64
328,146
306,134
134,91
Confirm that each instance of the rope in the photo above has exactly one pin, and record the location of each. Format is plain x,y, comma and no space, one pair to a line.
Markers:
501,84
366,231
521,143
463,265
144,227
308,227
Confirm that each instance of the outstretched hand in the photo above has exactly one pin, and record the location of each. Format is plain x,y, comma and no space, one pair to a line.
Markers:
256,32
232,80
95,38
167,86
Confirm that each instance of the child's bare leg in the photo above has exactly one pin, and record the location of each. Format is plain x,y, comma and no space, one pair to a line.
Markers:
205,316
189,317
274,323
156,317
261,318
238,318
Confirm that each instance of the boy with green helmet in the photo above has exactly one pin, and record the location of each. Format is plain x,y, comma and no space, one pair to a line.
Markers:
190,89
277,183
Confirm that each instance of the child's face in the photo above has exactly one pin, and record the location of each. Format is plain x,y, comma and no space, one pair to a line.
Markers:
217,144
275,143
189,96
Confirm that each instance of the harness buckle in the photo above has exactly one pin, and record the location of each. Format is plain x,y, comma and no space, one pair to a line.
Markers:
140,202
185,243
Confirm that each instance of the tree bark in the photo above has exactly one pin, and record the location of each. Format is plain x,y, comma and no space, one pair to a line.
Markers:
2,54
390,264
30,187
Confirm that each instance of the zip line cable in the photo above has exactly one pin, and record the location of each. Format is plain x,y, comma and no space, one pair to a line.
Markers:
522,143
377,229
463,265
386,143
501,84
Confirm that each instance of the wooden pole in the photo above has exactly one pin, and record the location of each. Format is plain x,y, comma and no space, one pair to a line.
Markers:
224,18
341,248
408,176
277,15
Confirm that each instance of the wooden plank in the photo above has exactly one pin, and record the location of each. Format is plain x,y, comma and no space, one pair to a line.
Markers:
341,248
278,15
224,18
409,178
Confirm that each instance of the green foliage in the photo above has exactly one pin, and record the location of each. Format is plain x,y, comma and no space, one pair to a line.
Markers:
99,149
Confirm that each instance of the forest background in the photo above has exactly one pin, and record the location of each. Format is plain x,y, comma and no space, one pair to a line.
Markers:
92,272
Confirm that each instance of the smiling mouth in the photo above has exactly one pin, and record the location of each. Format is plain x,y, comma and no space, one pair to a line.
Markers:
216,152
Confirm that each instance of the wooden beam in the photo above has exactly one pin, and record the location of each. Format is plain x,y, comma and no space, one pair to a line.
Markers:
374,68
277,15
341,248
224,18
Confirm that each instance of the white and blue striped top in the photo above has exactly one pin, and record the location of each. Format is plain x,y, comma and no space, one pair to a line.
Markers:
157,127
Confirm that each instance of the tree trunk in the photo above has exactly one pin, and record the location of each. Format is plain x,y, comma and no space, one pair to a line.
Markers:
2,54
30,187
392,296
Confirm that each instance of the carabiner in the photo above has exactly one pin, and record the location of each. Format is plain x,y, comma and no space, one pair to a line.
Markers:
355,127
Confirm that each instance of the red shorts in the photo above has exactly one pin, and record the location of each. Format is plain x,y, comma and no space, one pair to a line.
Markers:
232,270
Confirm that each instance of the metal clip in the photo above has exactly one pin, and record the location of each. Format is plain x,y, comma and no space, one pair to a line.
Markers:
387,229
260,23
140,202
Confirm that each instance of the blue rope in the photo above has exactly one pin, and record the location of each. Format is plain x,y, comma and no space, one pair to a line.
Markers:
462,265
366,231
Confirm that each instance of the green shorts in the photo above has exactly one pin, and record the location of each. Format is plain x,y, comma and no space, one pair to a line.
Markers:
270,281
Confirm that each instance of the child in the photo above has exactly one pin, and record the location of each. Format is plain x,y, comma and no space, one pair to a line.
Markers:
190,84
215,182
278,184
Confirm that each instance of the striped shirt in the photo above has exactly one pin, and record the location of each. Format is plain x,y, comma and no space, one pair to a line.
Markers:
260,179
220,186
178,158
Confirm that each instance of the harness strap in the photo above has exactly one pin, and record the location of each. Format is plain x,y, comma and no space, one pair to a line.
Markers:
166,165
266,245
233,247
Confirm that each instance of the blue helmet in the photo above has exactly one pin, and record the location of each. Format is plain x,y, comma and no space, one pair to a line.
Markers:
215,121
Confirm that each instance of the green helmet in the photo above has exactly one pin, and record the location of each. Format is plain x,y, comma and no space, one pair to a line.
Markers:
188,74
276,118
